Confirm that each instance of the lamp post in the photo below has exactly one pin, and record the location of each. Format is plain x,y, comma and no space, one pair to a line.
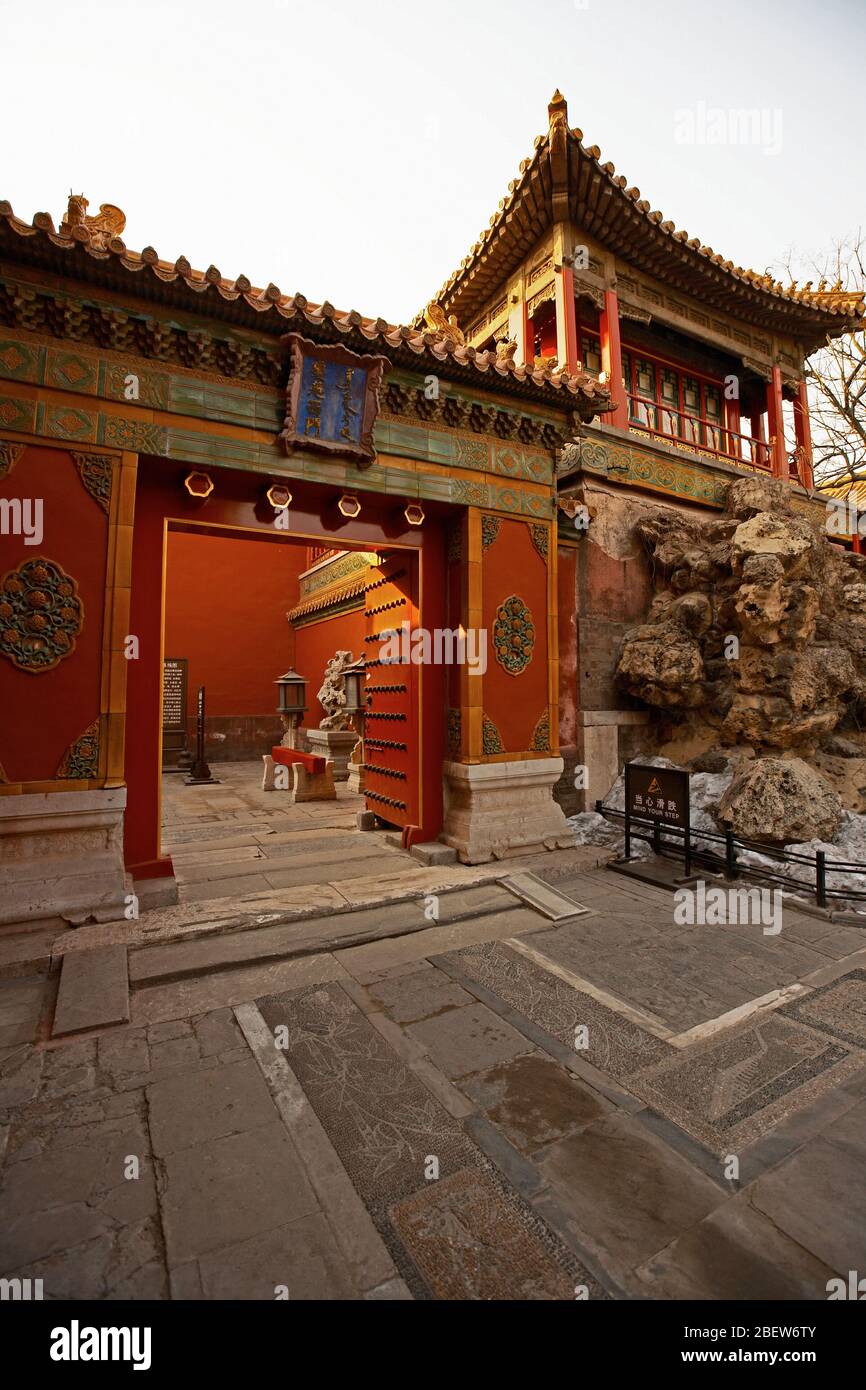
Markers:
292,695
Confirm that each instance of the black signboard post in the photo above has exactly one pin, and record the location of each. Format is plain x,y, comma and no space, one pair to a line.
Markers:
199,772
658,796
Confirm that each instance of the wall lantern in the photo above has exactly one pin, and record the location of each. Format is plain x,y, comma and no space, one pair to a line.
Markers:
279,496
198,484
414,514
349,506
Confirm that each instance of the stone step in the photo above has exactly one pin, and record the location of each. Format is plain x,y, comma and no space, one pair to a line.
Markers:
94,990
432,852
546,900
312,935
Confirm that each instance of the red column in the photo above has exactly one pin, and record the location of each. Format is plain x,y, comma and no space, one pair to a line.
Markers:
611,359
733,428
566,320
776,424
803,431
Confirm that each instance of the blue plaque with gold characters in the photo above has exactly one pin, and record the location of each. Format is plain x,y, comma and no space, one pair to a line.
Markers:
332,399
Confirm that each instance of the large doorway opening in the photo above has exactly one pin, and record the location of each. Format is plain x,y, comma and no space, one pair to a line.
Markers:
241,609
231,602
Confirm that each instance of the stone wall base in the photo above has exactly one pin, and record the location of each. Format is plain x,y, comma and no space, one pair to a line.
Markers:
61,855
493,810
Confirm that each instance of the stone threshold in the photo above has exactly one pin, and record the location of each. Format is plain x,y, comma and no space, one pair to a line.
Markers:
175,961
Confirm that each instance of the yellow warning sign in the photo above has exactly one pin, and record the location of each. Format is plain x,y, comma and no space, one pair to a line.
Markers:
653,787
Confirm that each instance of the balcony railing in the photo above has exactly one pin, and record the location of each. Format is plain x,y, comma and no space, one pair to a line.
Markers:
699,435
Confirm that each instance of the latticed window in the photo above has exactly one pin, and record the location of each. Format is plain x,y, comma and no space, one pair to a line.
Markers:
591,353
674,403
643,410
713,413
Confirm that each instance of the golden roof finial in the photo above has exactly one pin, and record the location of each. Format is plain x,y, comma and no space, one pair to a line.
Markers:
557,110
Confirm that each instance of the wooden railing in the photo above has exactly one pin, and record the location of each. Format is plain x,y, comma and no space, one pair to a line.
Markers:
676,427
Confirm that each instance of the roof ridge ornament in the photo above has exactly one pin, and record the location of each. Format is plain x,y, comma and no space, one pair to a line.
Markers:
98,230
438,323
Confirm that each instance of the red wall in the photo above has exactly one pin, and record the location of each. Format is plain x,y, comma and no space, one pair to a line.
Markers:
43,712
225,611
316,644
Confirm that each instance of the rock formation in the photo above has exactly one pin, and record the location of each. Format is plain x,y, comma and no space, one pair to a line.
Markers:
785,793
756,639
332,694
758,624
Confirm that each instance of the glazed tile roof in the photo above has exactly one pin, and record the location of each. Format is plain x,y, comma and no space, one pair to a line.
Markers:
338,594
565,179
103,259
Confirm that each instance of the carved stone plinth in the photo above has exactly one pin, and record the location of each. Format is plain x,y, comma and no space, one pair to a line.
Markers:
336,744
61,856
493,810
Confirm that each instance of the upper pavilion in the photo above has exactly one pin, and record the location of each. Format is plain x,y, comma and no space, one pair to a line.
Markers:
577,272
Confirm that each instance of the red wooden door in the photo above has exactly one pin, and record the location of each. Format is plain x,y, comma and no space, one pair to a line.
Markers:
391,783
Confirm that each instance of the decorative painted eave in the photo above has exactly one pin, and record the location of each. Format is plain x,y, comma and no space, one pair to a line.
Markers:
106,262
563,178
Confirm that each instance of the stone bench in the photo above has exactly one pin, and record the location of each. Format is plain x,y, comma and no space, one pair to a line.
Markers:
311,778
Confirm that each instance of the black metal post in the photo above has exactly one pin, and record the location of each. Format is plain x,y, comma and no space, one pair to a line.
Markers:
730,855
821,877
627,830
200,772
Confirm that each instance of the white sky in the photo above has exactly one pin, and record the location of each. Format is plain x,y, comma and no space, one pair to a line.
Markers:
354,151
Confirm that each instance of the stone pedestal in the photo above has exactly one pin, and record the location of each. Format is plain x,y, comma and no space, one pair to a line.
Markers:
493,810
334,744
356,768
61,855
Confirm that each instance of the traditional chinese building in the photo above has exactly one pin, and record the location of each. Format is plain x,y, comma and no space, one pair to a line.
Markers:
208,457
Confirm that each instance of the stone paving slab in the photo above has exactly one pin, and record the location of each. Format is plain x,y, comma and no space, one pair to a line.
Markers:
735,1253
419,994
468,1039
94,990
534,1101
21,1006
183,1112
818,1199
71,1188
227,1190
627,1194
299,1259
